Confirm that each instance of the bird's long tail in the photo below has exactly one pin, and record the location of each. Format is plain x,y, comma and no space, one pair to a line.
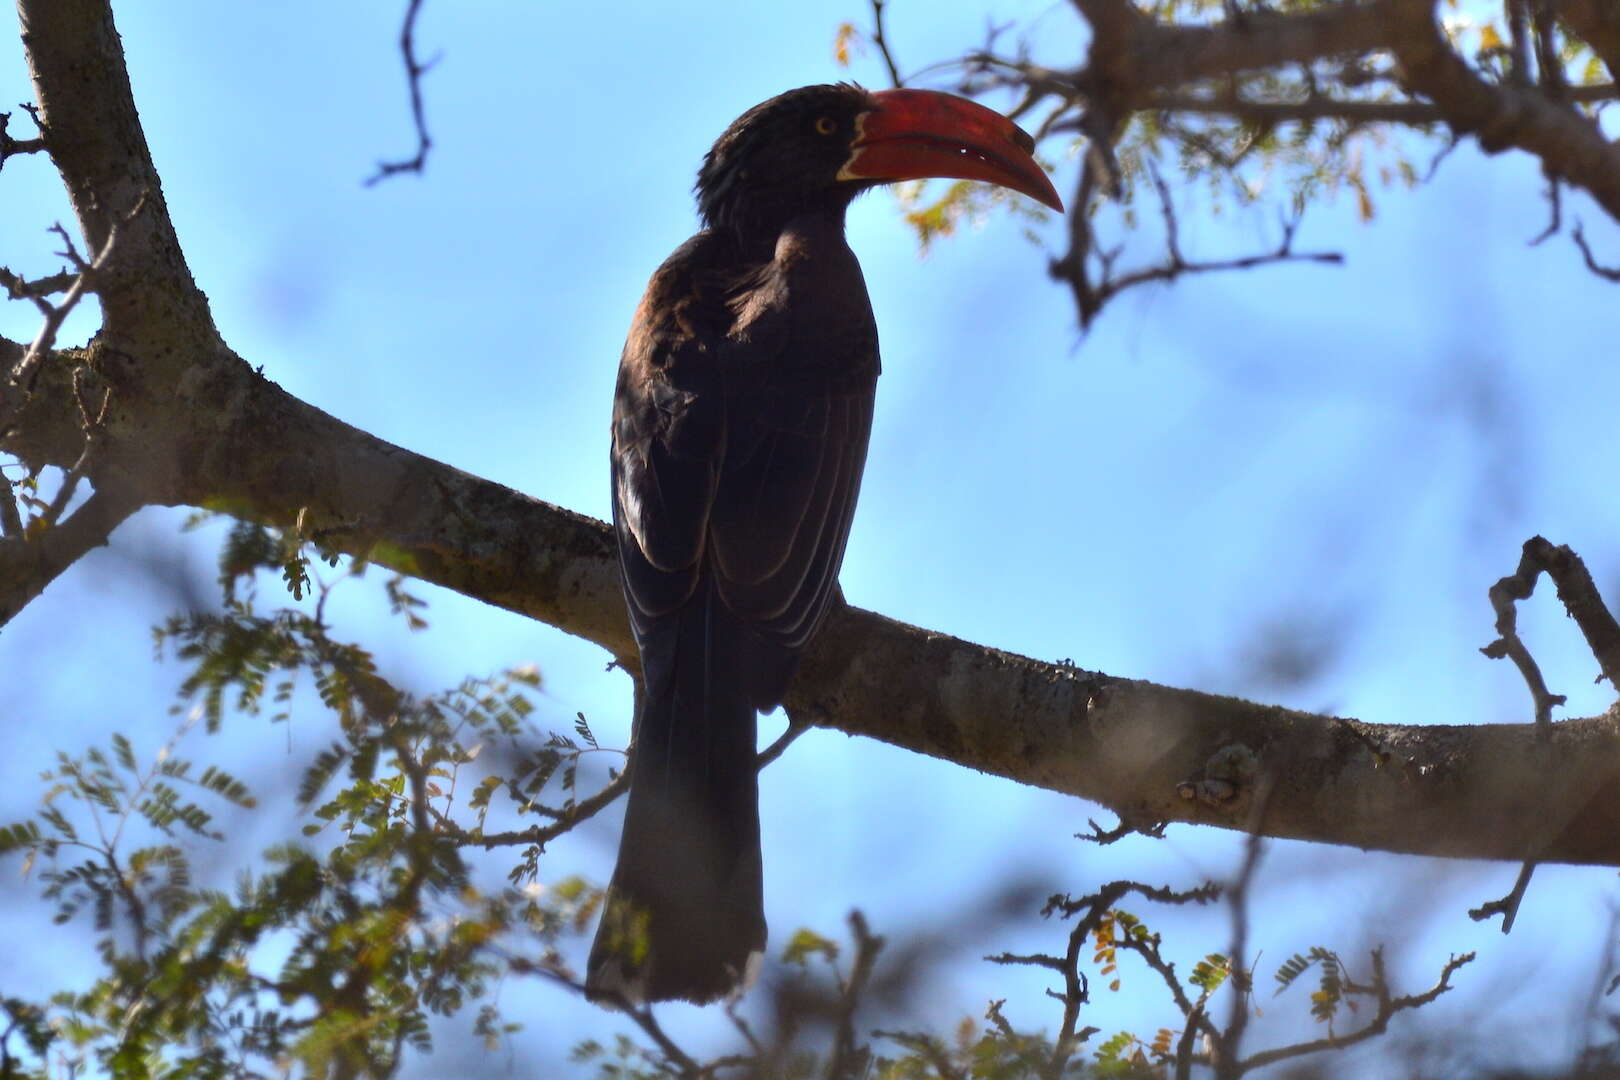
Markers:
684,915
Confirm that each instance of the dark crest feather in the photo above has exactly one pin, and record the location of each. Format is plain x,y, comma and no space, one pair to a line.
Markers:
766,159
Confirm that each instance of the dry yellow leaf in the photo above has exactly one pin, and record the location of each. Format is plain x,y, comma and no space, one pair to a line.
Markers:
846,34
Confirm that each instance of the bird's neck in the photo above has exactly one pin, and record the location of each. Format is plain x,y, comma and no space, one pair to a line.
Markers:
758,240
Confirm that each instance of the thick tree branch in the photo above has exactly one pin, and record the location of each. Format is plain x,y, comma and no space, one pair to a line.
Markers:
189,422
1410,113
1569,144
1133,746
1132,50
95,139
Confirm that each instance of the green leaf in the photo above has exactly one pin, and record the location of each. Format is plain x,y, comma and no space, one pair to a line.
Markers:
806,943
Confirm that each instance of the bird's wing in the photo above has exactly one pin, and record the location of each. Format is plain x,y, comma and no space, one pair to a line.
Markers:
799,411
668,440
782,511
740,434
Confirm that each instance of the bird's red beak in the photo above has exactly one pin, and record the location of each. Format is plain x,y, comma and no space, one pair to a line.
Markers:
912,134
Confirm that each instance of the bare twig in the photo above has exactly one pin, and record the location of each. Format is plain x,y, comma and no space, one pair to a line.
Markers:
849,1058
25,374
34,555
643,1017
1555,216
928,1047
19,288
1549,66
1387,1008
1580,598
1609,273
1227,1066
10,147
1184,1045
1518,21
744,1028
542,835
783,741
1503,595
1314,107
1090,297
1126,827
414,70
1508,906
1103,126
1093,909
882,43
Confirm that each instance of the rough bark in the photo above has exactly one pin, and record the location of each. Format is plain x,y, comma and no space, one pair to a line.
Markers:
1570,145
190,422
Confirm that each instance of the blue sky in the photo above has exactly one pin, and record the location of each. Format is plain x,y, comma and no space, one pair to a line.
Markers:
1352,455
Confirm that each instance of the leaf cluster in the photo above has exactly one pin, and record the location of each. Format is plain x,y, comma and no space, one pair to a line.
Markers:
332,954
336,953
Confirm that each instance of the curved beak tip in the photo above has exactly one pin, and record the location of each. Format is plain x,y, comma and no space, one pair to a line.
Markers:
913,134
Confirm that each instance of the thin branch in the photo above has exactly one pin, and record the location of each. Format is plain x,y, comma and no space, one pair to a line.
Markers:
20,288
1100,172
10,147
1549,65
1237,1020
1312,108
643,1017
1518,22
1555,216
25,374
1608,273
1092,910
414,70
928,1047
542,835
783,741
1508,906
850,1059
882,43
1092,297
1580,597
1127,827
1325,107
1184,1045
1503,596
1387,1008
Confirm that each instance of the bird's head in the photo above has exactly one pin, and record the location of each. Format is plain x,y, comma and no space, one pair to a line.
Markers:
820,146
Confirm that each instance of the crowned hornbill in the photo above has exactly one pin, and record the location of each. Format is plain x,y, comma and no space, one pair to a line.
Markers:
740,424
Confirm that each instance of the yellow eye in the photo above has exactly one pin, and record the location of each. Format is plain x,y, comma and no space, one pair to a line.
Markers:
826,125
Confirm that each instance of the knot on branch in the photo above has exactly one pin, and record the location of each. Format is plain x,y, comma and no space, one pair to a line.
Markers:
1228,773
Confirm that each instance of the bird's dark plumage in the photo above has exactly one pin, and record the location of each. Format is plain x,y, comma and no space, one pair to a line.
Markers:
740,425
